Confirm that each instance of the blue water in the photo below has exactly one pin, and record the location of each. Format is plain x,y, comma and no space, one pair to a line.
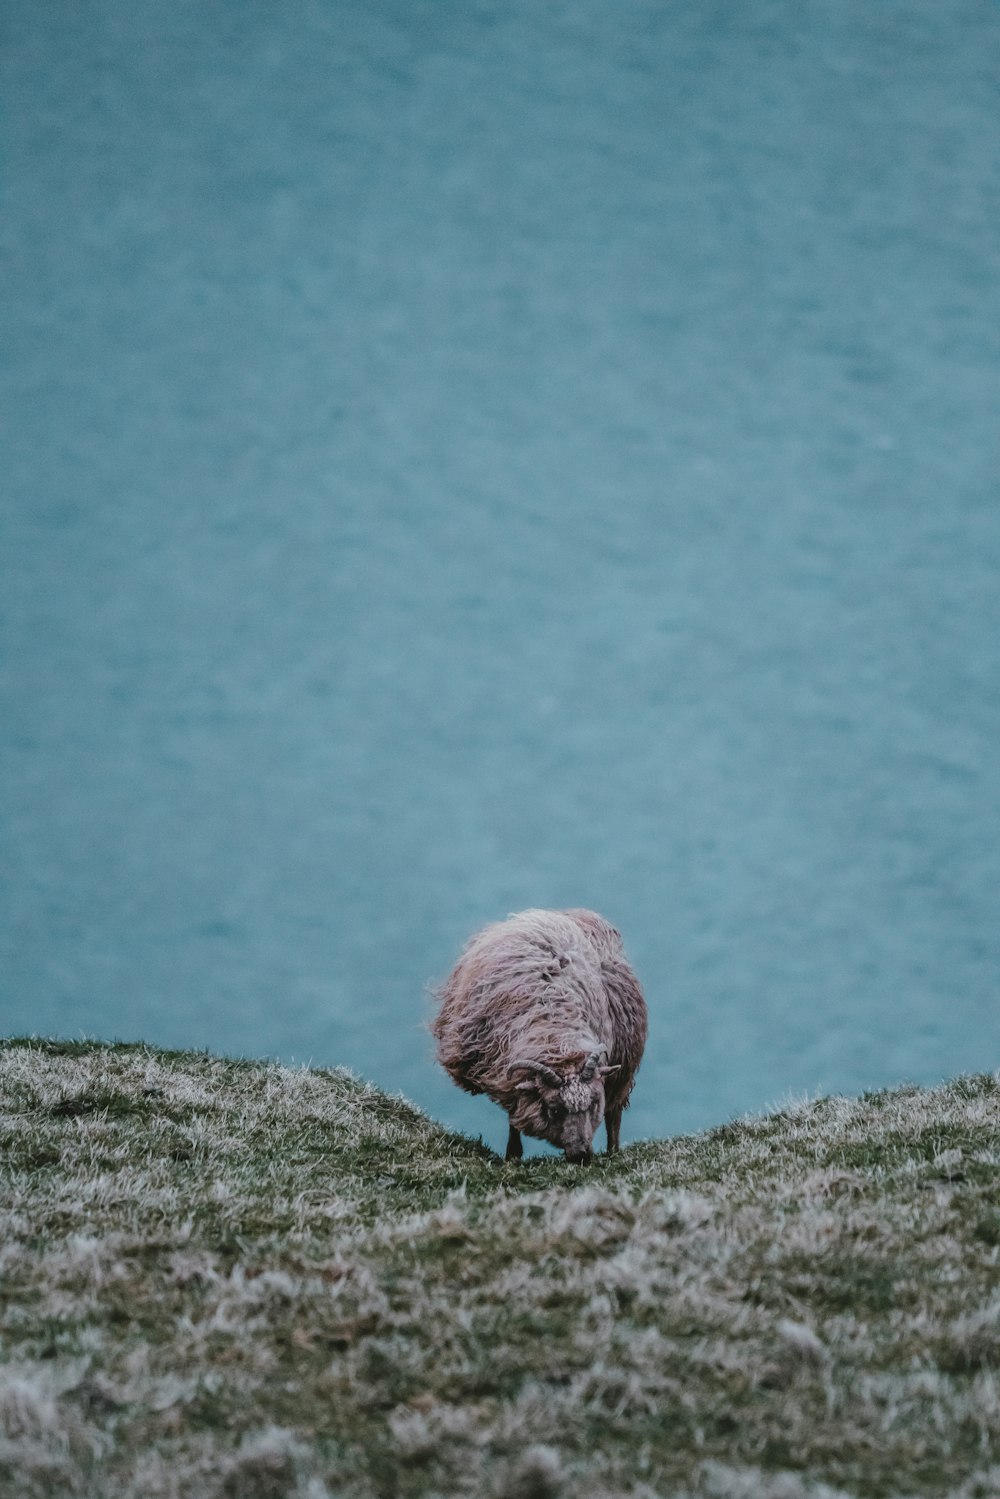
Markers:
464,455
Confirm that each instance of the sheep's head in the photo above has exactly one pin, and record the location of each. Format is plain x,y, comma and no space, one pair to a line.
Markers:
564,1107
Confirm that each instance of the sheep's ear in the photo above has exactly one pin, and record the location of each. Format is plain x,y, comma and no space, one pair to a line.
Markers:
603,1071
528,1087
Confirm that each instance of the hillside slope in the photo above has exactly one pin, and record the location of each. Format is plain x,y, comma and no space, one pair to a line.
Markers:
234,1279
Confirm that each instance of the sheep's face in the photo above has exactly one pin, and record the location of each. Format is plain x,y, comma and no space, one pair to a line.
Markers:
563,1108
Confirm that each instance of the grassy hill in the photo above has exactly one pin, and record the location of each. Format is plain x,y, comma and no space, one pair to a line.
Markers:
229,1279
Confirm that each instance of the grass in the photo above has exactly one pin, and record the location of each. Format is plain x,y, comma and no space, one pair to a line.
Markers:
237,1280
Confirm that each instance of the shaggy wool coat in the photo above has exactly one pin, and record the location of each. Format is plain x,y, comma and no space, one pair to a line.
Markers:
545,986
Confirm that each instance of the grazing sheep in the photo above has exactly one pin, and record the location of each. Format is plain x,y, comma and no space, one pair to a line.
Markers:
543,1013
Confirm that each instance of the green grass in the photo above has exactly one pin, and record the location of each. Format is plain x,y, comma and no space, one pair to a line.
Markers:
231,1279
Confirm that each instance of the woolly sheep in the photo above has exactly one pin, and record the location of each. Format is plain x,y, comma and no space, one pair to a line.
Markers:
543,1014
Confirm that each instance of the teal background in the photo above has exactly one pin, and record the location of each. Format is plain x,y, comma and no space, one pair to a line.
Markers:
462,456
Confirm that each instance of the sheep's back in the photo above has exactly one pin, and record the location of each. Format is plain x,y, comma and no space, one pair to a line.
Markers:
530,986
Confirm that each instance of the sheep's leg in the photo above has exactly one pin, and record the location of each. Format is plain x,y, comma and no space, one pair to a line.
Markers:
613,1124
515,1150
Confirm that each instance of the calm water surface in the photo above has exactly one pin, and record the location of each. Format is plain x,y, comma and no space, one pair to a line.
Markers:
462,456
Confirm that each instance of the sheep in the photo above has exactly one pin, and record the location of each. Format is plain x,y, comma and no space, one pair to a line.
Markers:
543,1014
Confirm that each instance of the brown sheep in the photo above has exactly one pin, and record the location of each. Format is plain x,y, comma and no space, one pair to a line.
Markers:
543,1013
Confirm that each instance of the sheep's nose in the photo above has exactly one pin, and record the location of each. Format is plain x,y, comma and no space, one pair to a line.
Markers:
580,1158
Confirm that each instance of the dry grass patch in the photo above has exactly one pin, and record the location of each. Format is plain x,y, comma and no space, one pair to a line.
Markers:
225,1279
